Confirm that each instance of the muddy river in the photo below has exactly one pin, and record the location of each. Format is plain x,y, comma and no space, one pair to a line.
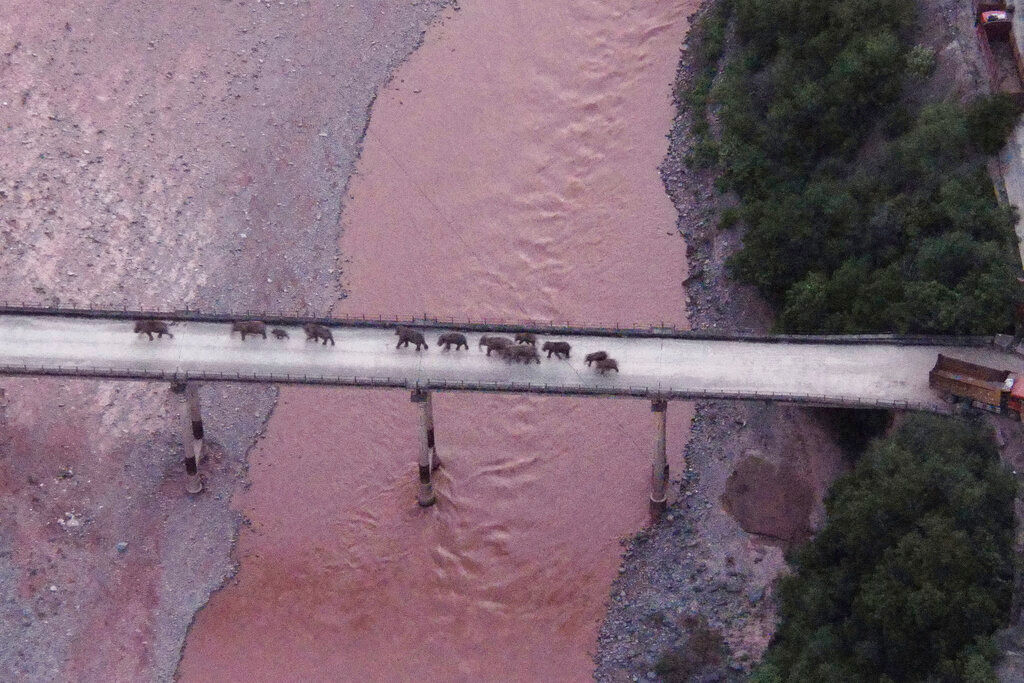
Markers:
509,171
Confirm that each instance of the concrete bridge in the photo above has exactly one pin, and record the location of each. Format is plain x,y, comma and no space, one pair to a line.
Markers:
657,364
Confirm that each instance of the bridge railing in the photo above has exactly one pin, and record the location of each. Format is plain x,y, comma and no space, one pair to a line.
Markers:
620,391
547,328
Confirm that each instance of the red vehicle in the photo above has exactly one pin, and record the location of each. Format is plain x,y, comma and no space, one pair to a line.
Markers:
999,47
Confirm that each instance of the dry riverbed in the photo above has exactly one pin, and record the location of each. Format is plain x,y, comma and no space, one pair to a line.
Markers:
158,155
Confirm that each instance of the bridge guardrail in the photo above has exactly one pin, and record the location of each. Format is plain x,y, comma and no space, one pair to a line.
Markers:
550,328
467,386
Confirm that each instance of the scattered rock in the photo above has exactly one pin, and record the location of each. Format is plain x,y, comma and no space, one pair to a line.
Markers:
70,521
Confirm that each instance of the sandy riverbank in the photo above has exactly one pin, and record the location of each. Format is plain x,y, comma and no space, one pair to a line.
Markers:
163,156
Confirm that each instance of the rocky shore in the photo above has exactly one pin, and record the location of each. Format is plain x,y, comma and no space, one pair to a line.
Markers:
695,589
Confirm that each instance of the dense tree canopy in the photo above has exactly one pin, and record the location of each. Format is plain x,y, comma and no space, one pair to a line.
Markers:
865,213
913,571
861,216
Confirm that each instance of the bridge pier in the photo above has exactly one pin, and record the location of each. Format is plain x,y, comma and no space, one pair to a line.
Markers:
193,433
428,460
659,465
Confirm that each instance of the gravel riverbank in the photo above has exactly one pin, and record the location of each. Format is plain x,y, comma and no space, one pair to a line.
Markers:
159,156
697,586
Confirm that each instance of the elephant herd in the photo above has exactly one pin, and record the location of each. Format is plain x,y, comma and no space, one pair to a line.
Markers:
520,349
243,327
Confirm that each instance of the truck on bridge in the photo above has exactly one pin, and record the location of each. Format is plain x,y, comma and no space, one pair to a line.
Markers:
999,47
997,391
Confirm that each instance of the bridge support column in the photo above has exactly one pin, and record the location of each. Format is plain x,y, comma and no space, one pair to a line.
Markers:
428,460
659,466
193,433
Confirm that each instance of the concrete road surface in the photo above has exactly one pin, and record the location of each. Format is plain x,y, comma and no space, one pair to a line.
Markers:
831,374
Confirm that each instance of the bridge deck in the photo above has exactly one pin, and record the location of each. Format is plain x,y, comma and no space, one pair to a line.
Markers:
879,374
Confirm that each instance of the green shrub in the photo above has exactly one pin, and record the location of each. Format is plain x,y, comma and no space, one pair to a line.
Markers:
708,35
706,41
921,61
729,218
913,570
990,121
704,153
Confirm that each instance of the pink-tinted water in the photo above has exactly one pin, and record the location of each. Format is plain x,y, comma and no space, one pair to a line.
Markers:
510,170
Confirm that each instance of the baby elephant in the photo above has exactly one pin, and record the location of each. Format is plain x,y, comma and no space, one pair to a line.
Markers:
317,332
519,354
526,354
253,327
560,349
279,333
408,336
595,357
449,338
148,327
526,338
494,343
606,364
